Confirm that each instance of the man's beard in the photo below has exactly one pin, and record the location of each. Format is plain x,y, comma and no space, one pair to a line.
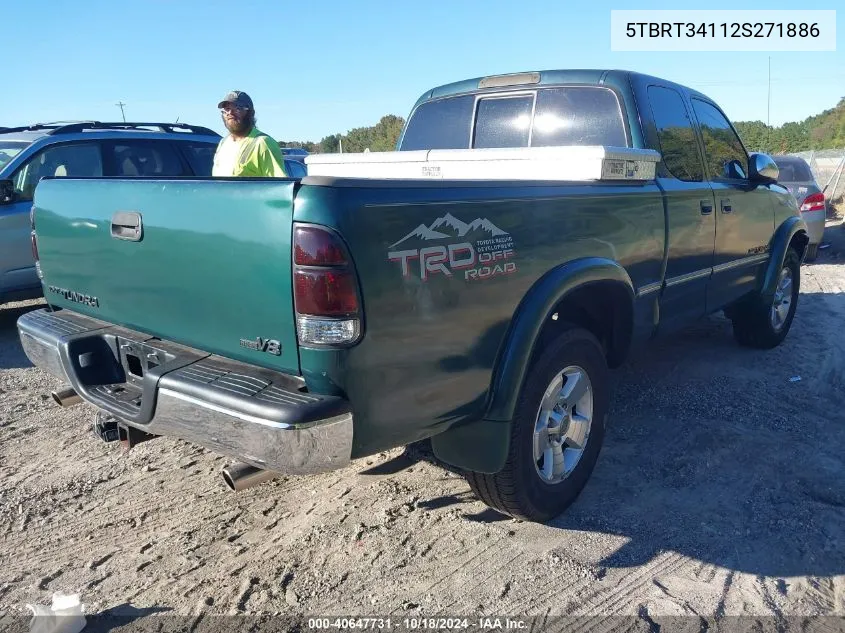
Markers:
240,127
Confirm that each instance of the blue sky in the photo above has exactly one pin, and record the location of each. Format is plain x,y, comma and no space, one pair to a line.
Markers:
318,67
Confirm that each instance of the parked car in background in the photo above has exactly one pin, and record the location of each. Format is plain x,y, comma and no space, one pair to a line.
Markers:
83,148
295,153
295,168
87,148
796,175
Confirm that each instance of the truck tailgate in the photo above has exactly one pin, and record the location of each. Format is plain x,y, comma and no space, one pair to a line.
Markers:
212,267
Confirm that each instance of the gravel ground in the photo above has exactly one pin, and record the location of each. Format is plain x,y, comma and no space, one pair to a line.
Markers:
720,491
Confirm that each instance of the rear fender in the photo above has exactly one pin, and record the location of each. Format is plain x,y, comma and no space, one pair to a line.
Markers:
482,445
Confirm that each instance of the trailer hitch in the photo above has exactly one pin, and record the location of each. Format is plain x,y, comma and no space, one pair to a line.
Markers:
110,428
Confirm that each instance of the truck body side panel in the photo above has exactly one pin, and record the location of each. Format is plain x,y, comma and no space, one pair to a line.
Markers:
443,267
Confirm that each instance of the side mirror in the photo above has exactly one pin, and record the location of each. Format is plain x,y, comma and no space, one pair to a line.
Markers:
763,168
7,191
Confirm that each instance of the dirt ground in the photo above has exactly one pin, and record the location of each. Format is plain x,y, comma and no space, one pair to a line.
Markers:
720,491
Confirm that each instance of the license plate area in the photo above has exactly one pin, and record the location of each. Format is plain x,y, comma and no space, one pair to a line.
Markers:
138,359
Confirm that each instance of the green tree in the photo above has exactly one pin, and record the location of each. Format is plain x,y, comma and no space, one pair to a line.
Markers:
330,144
825,130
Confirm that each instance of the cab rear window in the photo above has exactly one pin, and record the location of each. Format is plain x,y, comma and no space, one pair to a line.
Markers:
570,115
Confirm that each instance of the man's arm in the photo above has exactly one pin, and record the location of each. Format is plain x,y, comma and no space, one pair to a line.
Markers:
271,161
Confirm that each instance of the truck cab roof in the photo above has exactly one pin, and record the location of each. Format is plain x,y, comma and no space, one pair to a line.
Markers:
549,77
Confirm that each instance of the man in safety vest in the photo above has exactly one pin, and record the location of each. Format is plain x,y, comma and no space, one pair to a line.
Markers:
246,151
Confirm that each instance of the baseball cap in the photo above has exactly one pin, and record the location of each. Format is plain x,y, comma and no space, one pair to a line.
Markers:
237,98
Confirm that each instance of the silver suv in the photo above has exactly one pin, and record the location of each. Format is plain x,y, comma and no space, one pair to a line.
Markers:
85,148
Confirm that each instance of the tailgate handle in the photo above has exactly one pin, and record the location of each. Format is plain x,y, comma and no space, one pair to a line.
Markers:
127,225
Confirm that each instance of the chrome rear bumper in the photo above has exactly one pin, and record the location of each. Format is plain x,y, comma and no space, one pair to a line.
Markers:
260,417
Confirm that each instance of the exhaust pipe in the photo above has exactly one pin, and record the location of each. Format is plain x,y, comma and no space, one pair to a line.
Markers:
66,397
242,476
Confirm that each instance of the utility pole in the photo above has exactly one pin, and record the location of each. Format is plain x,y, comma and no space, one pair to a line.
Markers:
769,104
120,104
340,141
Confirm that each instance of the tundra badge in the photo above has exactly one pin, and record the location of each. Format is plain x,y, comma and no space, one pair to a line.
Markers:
76,297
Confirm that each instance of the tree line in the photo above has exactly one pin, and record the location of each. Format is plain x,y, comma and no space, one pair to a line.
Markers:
381,137
821,131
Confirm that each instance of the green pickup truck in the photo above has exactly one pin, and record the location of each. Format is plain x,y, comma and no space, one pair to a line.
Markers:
475,286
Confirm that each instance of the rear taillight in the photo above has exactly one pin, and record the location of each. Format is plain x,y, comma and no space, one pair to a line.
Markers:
33,242
813,202
325,289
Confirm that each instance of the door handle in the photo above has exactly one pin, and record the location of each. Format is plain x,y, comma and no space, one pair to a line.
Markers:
706,207
127,225
726,206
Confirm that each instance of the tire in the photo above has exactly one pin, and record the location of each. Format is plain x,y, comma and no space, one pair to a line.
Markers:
519,489
764,324
812,253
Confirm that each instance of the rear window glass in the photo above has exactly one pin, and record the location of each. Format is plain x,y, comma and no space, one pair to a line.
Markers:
572,115
793,171
578,116
503,122
443,124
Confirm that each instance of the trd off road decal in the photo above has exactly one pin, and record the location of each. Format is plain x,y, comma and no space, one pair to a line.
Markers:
474,251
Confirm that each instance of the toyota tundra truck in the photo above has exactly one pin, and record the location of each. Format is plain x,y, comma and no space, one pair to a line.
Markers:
473,287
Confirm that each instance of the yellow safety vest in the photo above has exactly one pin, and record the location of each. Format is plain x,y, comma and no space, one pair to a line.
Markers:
258,156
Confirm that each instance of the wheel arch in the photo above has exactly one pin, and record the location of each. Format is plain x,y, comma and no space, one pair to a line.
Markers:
792,232
594,293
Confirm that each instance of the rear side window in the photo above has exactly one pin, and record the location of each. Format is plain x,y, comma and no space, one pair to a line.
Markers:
140,159
678,144
503,122
578,116
442,124
200,157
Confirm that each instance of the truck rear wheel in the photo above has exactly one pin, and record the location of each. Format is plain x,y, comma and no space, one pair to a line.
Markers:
764,324
556,433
